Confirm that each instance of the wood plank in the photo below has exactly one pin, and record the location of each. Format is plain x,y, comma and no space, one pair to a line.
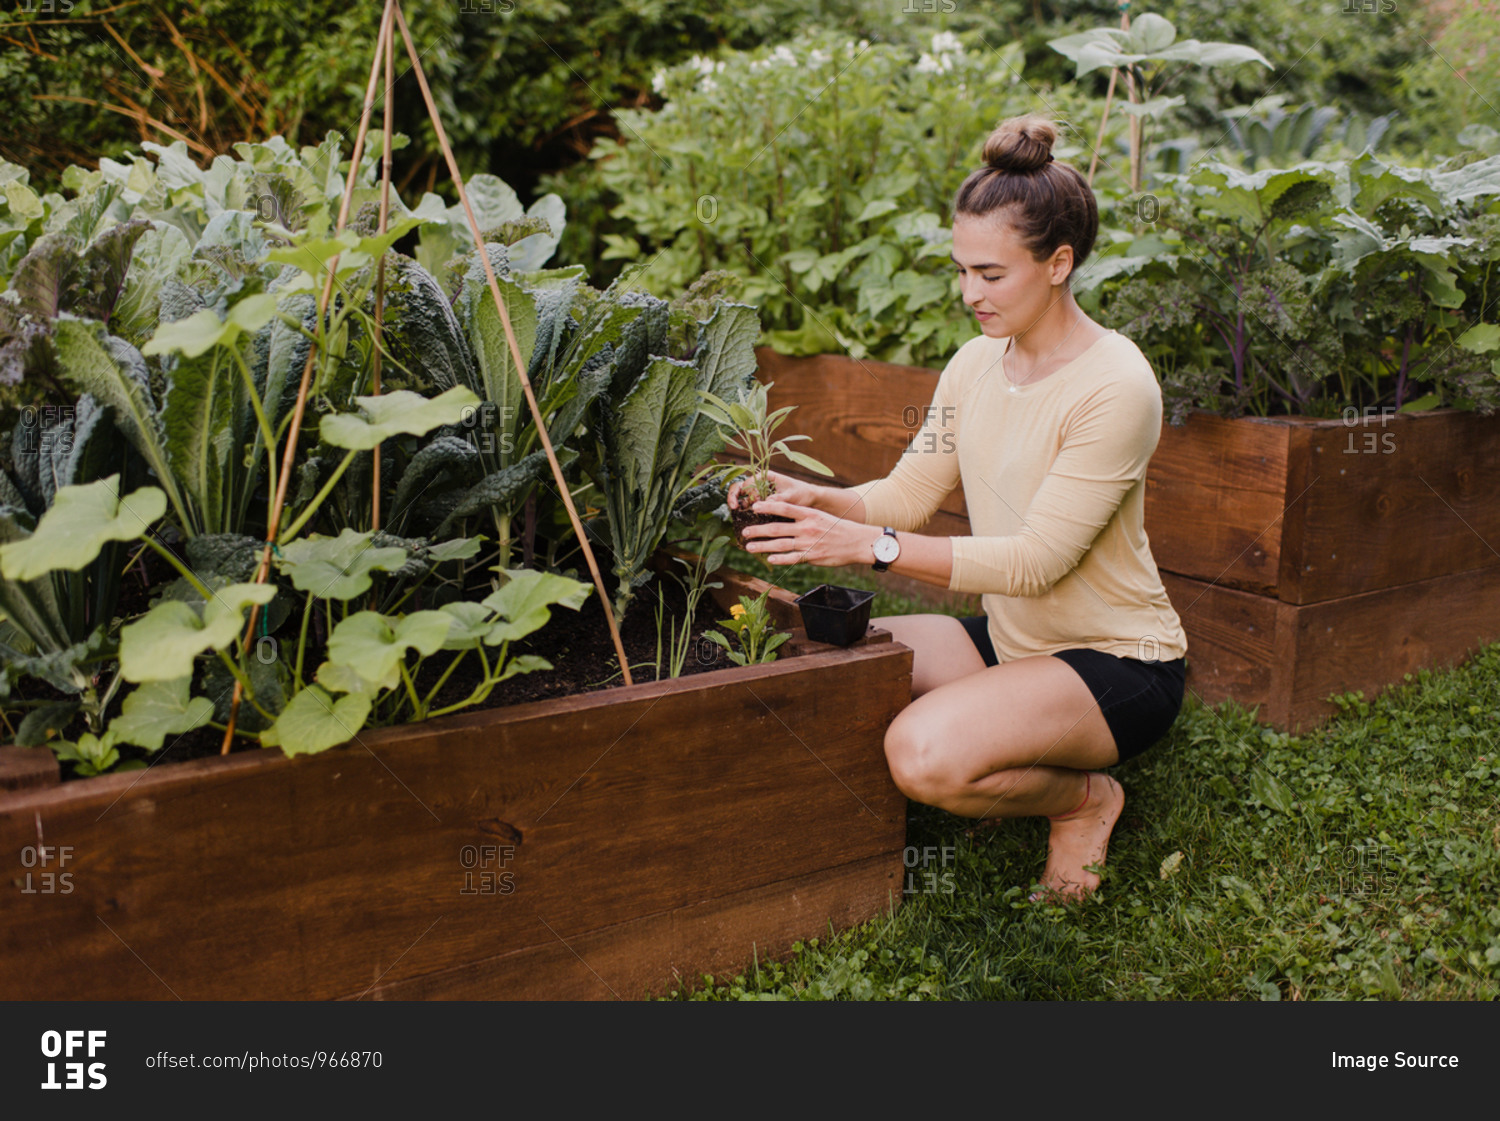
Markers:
1372,640
1231,636
653,954
26,768
1396,499
255,876
861,415
1303,476
1215,492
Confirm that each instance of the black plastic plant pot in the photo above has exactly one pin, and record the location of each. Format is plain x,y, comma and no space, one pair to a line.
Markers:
835,615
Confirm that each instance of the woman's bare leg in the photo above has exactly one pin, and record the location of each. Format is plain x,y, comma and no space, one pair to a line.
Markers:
1020,739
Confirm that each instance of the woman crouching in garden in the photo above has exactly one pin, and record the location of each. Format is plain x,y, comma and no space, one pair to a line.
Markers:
1048,420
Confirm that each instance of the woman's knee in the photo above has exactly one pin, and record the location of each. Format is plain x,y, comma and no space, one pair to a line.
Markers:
920,767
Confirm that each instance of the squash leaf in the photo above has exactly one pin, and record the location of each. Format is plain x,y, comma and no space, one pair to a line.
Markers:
373,645
524,604
159,709
313,721
337,567
394,414
82,520
161,645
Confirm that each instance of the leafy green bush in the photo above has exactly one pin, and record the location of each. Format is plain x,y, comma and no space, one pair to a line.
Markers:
830,197
1312,289
88,77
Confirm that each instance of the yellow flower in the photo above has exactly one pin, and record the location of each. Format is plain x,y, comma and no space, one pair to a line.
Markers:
736,611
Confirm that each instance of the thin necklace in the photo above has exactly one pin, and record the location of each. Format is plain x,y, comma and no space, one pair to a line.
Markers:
1014,388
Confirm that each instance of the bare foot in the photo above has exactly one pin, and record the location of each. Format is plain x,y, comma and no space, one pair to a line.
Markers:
1080,839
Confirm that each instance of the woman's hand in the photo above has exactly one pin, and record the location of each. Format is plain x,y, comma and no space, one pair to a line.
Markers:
812,537
788,489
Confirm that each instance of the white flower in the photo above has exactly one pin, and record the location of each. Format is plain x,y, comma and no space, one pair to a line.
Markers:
818,58
946,41
708,85
784,54
659,81
927,64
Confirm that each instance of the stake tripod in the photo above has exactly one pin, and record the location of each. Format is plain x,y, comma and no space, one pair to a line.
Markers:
390,20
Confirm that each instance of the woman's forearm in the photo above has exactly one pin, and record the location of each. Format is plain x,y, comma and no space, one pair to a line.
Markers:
842,502
928,559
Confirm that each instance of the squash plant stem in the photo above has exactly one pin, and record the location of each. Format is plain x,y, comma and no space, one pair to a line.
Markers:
302,637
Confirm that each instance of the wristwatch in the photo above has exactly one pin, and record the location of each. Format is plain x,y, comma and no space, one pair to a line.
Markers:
887,549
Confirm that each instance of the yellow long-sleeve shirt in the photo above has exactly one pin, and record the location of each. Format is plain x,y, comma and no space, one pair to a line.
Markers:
1054,476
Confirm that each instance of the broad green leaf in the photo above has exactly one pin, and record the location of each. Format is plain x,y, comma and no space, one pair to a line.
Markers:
161,645
640,431
1439,282
45,723
524,603
372,647
476,310
198,421
1210,54
338,678
204,330
471,623
875,208
726,367
1472,181
82,520
312,255
1272,791
115,374
501,488
159,709
1481,338
1156,107
337,567
455,548
393,414
1150,33
1423,403
24,202
313,721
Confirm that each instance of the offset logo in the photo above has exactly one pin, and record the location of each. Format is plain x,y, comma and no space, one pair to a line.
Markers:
74,1046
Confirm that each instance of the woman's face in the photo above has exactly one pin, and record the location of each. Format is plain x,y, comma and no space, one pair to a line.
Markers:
1000,281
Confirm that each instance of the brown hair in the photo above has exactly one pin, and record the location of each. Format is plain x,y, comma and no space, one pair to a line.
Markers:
1049,203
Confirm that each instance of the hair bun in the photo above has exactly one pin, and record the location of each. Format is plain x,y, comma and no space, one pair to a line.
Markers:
1021,144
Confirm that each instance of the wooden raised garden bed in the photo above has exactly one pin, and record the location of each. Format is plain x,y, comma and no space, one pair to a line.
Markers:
592,846
1305,557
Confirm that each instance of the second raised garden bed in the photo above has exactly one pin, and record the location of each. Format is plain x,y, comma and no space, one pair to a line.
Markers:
1305,557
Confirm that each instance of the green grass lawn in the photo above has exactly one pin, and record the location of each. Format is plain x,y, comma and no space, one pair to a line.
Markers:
1360,860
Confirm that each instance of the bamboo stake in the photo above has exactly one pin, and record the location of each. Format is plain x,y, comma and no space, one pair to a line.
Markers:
510,338
1109,96
289,456
389,47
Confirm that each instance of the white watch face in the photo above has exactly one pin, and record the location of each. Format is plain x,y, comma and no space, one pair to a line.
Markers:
887,548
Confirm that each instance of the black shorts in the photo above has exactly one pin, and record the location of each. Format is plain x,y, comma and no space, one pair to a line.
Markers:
1140,700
